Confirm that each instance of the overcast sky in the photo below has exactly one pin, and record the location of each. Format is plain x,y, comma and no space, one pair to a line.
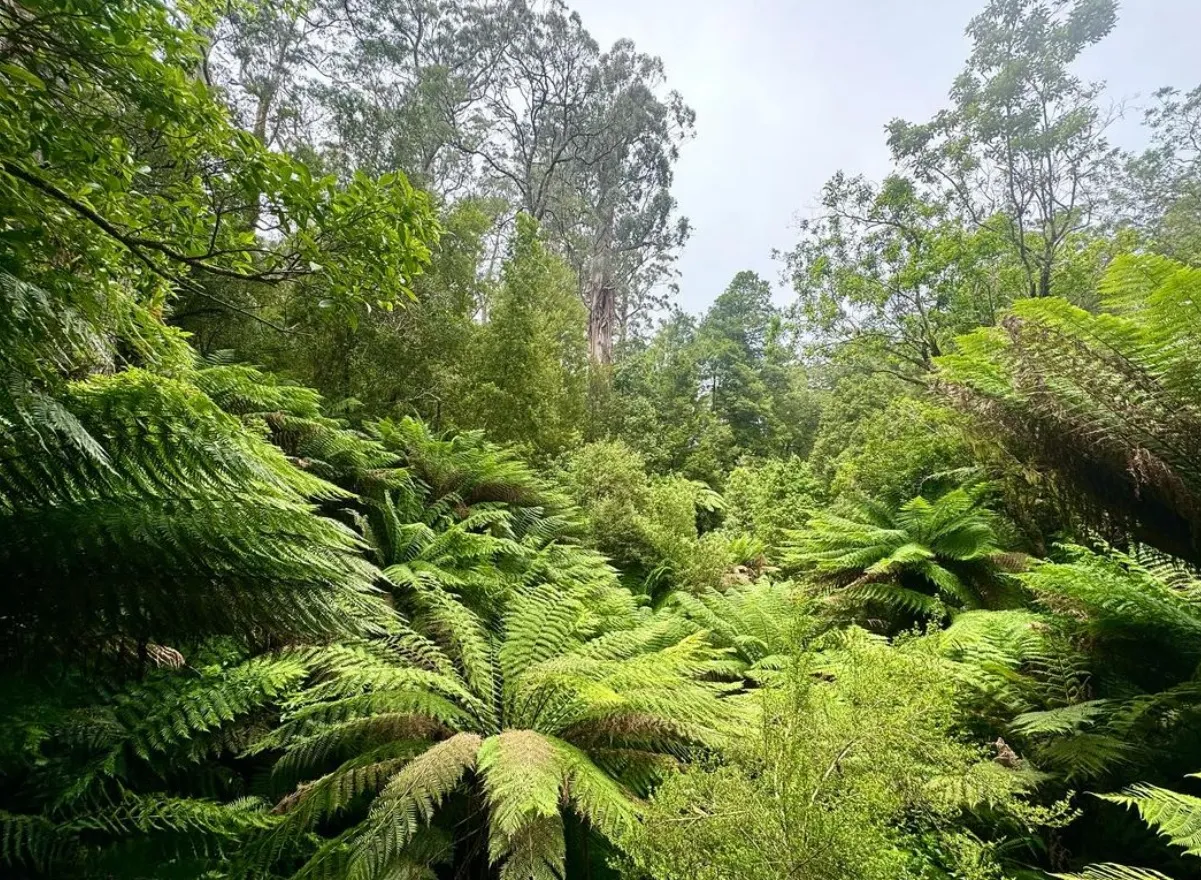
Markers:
789,91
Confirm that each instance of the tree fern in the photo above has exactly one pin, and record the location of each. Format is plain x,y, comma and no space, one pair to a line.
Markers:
759,623
189,526
922,558
132,777
1174,815
546,712
1109,404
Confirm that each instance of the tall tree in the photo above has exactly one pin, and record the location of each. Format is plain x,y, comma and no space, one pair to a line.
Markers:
410,86
884,275
490,97
1160,191
1024,138
731,344
617,217
265,55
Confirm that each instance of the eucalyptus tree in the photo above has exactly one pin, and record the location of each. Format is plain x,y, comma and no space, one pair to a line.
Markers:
614,214
585,142
265,56
410,90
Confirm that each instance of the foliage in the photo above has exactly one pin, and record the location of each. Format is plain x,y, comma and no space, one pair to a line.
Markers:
1103,402
137,511
575,700
911,446
449,590
1023,144
853,771
649,526
115,152
128,780
1175,816
529,380
764,497
926,558
1157,192
884,276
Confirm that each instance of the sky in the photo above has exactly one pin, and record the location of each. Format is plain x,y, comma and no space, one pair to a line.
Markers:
787,92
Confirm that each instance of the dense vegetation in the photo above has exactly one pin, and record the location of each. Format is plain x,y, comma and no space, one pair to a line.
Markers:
367,510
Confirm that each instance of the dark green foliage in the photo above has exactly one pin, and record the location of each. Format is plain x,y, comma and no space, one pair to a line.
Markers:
133,779
174,528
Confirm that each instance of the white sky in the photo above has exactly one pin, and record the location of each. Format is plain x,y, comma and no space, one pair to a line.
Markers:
789,91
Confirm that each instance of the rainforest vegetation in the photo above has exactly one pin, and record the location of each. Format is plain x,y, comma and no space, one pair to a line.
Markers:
369,508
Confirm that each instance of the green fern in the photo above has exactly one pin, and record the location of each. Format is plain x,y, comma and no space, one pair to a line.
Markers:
925,558
554,709
189,526
1108,404
1174,815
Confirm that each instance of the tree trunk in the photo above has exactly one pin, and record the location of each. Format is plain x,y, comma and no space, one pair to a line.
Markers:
1044,279
602,318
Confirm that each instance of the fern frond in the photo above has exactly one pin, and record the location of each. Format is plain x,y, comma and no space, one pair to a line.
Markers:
1107,871
1174,815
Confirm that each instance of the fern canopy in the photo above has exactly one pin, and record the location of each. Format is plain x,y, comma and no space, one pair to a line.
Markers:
577,699
923,559
1107,403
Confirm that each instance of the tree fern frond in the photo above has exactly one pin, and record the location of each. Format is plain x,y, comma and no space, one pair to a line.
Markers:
1174,815
523,777
34,841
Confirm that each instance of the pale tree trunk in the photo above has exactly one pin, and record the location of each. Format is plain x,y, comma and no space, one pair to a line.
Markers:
602,318
601,299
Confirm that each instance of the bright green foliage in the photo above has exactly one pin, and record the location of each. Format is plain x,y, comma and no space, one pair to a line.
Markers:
848,407
116,152
699,396
853,772
1007,659
652,401
466,469
292,417
1175,816
763,497
885,276
926,558
760,623
1106,871
333,618
575,700
1098,686
647,525
909,447
1139,625
388,363
171,525
474,520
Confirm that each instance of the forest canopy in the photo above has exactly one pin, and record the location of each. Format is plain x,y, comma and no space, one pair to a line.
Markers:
370,509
